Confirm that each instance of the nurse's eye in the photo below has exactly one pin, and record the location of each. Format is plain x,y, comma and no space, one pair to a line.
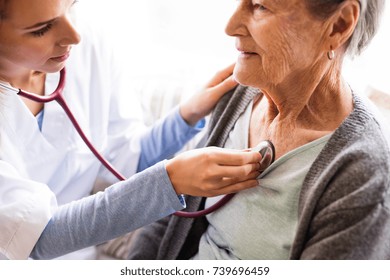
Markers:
42,31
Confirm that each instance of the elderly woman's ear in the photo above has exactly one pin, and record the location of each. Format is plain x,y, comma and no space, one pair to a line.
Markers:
343,23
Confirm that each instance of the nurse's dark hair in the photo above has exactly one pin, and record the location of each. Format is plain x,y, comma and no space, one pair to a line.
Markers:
367,26
3,6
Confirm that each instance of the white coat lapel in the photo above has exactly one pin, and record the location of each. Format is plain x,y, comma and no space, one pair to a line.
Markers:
32,151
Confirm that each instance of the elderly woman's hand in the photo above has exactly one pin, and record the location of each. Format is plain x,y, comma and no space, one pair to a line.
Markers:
213,171
201,104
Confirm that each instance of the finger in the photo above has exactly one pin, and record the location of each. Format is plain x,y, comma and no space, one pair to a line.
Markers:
221,75
219,183
223,87
226,181
235,157
241,172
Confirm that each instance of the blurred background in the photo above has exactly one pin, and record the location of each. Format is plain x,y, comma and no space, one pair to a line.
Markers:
184,41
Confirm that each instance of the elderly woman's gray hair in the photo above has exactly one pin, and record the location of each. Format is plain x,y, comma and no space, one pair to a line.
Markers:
367,26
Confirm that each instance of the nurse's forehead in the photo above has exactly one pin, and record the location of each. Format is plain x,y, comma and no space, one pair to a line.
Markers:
24,13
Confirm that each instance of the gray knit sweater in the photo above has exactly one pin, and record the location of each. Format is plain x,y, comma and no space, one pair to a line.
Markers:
344,207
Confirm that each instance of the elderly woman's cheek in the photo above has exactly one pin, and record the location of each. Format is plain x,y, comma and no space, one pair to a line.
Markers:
276,64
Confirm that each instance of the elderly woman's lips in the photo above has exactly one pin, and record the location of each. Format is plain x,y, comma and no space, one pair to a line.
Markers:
244,54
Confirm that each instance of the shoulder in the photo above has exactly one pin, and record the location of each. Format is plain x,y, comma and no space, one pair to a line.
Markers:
364,134
355,163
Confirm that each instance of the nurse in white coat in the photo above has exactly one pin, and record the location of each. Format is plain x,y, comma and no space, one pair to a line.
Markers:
47,172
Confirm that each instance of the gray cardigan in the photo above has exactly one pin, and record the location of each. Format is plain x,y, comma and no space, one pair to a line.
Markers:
344,206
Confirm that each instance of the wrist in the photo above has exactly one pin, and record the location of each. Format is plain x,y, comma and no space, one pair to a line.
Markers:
188,115
169,167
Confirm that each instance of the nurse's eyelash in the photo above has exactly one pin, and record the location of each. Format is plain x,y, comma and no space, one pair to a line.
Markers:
42,31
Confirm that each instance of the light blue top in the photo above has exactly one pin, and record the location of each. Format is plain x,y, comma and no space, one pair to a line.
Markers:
165,138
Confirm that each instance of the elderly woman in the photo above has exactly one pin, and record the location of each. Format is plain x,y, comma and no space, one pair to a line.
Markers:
327,194
47,171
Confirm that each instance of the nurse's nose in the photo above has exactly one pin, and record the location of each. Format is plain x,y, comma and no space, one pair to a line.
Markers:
70,36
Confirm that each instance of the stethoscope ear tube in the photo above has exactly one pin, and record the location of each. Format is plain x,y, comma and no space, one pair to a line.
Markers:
59,98
8,87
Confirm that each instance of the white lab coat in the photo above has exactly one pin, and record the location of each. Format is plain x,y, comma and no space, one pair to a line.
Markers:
42,169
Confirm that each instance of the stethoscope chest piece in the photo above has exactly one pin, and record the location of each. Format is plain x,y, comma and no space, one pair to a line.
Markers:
267,151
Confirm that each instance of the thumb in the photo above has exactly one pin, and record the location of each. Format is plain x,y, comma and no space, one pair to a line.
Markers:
224,87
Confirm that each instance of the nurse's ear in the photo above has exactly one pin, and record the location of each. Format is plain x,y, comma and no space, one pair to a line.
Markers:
343,23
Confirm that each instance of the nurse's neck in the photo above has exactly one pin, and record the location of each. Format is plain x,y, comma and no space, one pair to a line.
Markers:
32,82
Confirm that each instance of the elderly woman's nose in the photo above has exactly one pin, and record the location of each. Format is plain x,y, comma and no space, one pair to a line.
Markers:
236,23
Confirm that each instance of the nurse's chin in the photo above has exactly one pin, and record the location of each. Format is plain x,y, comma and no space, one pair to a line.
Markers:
54,67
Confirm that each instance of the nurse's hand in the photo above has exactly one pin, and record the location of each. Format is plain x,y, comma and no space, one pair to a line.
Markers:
202,103
213,171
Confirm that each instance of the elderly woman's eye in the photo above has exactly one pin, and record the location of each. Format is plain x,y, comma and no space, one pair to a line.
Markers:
259,7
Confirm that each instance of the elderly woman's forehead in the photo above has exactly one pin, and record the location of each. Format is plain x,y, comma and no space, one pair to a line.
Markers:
285,3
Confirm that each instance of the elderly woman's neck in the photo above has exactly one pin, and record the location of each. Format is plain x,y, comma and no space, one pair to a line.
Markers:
303,112
322,102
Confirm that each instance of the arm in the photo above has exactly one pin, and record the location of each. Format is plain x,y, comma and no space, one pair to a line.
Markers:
363,233
352,216
165,138
121,208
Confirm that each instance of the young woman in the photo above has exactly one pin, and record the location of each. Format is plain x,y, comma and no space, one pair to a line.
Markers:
326,196
44,163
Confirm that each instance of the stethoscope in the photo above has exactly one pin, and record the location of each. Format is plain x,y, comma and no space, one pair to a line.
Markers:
265,148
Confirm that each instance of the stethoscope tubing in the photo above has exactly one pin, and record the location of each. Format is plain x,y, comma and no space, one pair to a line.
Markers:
58,97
